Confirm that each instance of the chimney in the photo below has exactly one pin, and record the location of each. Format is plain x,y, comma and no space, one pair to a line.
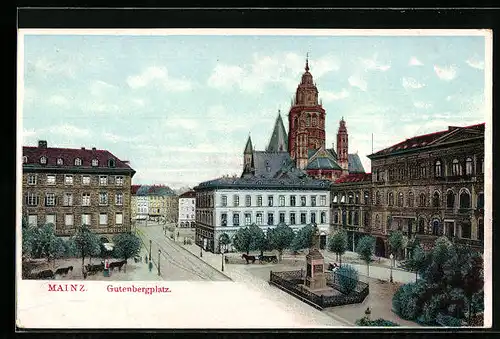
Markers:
83,148
42,143
93,148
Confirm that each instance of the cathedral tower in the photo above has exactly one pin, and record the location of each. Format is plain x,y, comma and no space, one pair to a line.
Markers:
343,147
248,163
306,121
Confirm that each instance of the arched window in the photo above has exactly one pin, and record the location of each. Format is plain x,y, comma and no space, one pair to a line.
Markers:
335,198
342,199
435,200
366,219
43,160
456,168
60,161
466,230
468,166
423,171
422,200
389,223
367,198
314,121
464,199
437,169
411,199
351,198
308,120
111,162
336,218
377,221
421,226
344,218
377,198
390,199
349,218
450,199
480,200
25,159
400,199
480,230
481,165
356,218
95,162
356,198
435,227
78,162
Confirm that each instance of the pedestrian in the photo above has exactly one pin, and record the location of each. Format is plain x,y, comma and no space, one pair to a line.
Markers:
177,234
146,258
184,240
150,266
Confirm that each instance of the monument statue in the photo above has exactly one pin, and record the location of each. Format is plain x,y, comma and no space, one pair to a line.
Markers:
315,264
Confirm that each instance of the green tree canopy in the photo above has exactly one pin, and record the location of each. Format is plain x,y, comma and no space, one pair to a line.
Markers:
243,240
224,240
338,243
127,245
259,239
44,242
87,242
365,250
304,238
396,241
280,238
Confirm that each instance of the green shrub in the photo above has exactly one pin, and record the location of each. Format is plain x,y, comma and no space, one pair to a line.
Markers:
431,309
448,321
348,278
405,301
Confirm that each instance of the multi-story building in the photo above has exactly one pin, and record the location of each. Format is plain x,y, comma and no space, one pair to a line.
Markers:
162,203
351,206
70,187
187,209
226,204
142,203
430,185
133,201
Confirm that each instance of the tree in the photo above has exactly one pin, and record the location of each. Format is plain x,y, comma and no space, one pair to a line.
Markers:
365,250
280,238
348,278
303,238
28,237
259,239
45,243
127,245
243,240
417,261
86,242
395,240
224,239
338,244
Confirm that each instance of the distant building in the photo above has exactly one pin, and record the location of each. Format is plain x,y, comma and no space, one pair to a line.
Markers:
71,187
142,203
187,209
162,204
133,201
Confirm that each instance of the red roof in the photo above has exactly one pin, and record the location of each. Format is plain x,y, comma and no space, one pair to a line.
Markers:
134,189
423,140
68,156
354,177
188,194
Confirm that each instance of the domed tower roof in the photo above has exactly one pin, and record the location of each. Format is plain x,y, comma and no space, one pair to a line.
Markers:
307,92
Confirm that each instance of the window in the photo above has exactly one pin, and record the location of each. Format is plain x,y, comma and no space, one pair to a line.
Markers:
335,199
411,199
248,201
466,230
292,218
356,198
480,200
103,218
224,200
68,220
270,200
302,201
302,218
322,200
86,219
468,166
31,179
50,199
236,200
43,160
356,218
377,221
282,217
103,180
450,199
400,199
282,200
292,200
435,200
25,159
60,161
236,219
51,179
119,199
336,218
323,217
480,230
95,162
435,227
390,199
50,219
423,171
313,201
78,162
32,220
377,198
259,218
342,199
119,180
248,219
350,198
85,199
456,169
223,219
270,219
421,226
349,218
464,199
481,166
366,219
313,217
422,200
103,198
86,180
111,162
437,169
31,199
259,200
68,179
68,199
118,218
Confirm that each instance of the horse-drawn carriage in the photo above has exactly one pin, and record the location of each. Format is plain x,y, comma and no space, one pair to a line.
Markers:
262,258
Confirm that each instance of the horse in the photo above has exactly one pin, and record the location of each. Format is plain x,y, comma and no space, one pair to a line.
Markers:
248,258
45,274
63,270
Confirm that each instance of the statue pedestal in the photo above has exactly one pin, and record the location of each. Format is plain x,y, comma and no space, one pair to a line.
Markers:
315,272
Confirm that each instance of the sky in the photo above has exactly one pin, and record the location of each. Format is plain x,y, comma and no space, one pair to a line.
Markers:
180,107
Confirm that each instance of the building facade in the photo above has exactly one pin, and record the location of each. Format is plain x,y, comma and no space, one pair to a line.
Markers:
227,204
430,185
187,209
163,204
73,187
133,202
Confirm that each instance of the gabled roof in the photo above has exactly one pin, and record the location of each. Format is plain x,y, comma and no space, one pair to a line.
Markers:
268,163
279,138
354,164
356,177
248,147
425,140
134,189
322,159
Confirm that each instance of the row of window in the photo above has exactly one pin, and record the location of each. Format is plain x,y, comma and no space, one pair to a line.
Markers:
69,179
352,198
51,199
464,199
69,219
270,220
351,218
281,201
77,162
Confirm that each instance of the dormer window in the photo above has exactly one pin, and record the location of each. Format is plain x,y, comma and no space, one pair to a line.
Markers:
25,159
60,161
43,160
111,162
78,162
95,162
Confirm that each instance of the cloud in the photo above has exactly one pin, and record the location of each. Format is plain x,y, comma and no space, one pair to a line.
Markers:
371,64
332,96
358,81
411,83
182,122
58,100
28,133
101,88
446,73
154,75
475,63
415,62
45,66
100,106
225,76
68,130
421,104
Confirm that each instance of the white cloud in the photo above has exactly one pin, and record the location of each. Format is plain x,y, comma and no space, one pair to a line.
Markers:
332,96
45,66
475,63
372,64
69,131
101,88
358,81
415,62
421,104
58,100
154,75
446,73
411,83
225,76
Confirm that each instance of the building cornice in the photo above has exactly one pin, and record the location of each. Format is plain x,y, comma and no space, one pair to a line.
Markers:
82,170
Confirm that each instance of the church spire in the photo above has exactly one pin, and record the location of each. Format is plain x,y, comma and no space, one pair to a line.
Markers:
307,62
279,138
248,147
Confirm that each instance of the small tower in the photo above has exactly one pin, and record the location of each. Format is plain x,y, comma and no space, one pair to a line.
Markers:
343,147
248,164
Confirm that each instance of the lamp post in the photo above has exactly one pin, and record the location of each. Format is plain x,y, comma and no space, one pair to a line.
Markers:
159,254
222,249
150,241
391,257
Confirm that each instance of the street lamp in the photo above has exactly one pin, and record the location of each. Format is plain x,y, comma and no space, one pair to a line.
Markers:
391,257
222,249
150,241
159,253
201,251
